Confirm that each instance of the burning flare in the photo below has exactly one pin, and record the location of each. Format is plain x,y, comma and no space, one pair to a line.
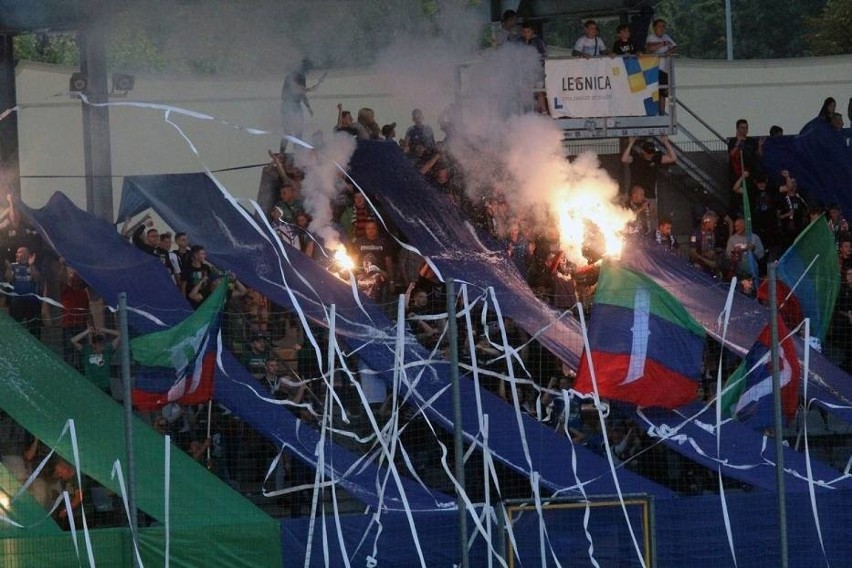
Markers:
343,261
584,217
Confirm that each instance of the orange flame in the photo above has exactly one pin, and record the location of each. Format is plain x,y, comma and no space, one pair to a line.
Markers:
576,208
343,261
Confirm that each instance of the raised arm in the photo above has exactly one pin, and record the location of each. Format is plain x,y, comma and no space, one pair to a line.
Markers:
195,293
738,185
670,157
425,168
789,182
627,155
33,267
279,167
75,341
128,228
115,334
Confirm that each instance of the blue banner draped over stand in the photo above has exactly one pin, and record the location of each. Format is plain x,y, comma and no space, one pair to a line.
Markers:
828,383
688,532
686,528
820,158
436,227
196,205
111,265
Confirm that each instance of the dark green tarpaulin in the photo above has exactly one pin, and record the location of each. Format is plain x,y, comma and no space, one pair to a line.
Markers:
211,525
25,510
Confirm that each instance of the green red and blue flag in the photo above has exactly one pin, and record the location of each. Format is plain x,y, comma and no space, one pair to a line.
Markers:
645,348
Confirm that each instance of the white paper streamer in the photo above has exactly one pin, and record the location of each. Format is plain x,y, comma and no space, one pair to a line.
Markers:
117,473
566,398
596,397
725,316
72,431
811,492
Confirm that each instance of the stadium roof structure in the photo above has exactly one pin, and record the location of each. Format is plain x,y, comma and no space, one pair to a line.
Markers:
550,9
18,16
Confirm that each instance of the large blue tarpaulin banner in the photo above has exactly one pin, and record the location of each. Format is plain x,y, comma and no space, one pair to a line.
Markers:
431,222
819,158
687,533
195,204
452,245
111,265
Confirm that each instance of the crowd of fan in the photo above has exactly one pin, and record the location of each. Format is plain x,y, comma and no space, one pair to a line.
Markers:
272,345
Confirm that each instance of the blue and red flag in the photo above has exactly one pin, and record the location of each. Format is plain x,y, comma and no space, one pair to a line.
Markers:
645,348
748,391
179,363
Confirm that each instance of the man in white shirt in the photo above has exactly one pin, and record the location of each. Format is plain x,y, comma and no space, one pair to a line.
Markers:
590,45
660,43
739,249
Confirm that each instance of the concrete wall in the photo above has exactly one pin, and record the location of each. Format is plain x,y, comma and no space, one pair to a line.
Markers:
787,92
143,142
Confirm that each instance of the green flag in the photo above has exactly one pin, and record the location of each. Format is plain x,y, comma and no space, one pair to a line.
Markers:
810,268
179,347
752,262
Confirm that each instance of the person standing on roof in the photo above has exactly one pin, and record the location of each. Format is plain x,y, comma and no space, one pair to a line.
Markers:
293,96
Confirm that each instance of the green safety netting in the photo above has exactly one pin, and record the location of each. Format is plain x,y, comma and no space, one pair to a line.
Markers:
210,523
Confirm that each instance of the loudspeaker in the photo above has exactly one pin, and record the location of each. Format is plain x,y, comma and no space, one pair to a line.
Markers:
78,83
122,82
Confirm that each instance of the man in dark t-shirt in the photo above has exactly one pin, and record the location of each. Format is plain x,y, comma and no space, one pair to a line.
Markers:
646,162
374,261
255,358
374,245
744,152
624,45
195,279
763,203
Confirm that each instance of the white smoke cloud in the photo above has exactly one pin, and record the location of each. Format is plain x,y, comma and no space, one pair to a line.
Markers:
499,144
321,185
432,62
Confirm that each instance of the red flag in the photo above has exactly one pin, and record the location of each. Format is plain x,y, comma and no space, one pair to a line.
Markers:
789,310
182,392
748,392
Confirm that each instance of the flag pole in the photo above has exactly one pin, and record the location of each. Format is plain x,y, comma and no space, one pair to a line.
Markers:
752,261
128,418
779,426
207,440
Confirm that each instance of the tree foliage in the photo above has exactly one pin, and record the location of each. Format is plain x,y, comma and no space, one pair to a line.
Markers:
698,26
59,49
257,37
829,32
762,29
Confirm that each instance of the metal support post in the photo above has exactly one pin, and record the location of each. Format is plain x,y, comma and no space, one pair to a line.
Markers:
452,337
128,418
779,425
96,133
10,180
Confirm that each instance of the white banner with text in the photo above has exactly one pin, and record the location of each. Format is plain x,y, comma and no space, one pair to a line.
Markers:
603,86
